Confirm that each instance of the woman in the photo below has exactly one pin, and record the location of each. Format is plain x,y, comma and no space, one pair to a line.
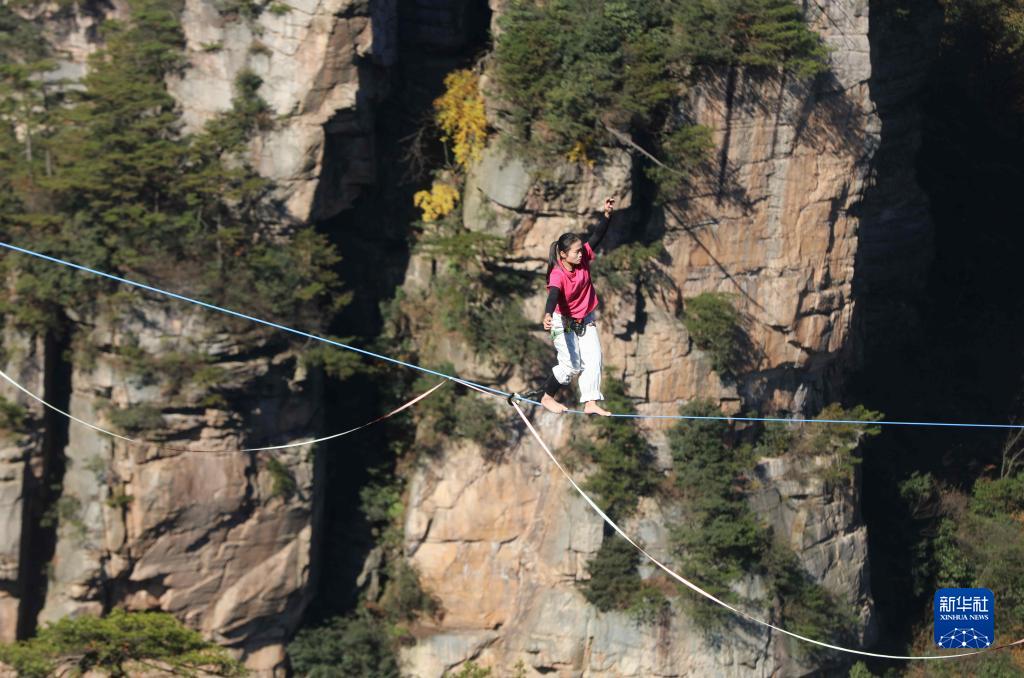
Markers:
569,316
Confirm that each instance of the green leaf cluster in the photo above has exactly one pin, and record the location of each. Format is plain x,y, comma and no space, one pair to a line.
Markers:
631,265
136,418
759,34
365,641
171,366
804,605
119,644
404,597
456,411
980,545
282,479
999,24
839,441
336,362
13,417
724,540
474,300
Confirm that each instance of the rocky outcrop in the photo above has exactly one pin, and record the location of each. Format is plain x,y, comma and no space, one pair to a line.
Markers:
505,546
21,476
773,222
317,61
185,523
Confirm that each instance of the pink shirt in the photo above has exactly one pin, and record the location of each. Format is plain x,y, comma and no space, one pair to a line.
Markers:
578,297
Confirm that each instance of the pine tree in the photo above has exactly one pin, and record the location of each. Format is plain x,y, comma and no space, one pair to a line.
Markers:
130,193
121,643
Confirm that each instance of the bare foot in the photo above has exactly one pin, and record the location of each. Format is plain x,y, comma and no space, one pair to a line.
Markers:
552,405
591,407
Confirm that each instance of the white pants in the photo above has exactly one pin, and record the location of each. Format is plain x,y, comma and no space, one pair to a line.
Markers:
578,356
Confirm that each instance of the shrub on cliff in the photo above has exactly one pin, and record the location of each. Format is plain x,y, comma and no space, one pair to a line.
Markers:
13,417
569,69
804,606
623,459
839,441
722,539
714,324
759,34
119,644
615,583
976,541
356,645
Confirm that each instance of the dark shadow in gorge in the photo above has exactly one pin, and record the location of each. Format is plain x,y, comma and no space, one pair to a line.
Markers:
373,238
42,488
940,315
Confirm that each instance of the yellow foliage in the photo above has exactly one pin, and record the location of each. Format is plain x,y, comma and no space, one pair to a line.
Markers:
578,153
437,202
460,113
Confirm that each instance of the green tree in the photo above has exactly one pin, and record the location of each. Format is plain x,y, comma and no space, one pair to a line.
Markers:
119,644
573,69
723,538
761,34
579,73
714,324
129,192
838,440
804,606
615,583
357,645
623,458
614,580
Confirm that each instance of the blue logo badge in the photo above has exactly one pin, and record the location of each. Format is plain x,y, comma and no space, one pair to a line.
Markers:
964,618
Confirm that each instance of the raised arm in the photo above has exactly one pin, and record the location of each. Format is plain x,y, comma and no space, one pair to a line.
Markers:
602,227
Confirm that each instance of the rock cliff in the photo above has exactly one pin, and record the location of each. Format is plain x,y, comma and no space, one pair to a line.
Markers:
501,544
185,524
774,224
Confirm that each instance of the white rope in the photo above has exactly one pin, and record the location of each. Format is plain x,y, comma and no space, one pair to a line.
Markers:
712,598
144,443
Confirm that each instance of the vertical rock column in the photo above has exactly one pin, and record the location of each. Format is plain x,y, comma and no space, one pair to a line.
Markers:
185,523
31,466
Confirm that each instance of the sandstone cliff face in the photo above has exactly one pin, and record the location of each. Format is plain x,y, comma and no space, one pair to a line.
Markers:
317,63
183,523
504,545
202,533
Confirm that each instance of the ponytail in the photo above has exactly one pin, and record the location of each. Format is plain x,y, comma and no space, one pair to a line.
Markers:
563,244
552,256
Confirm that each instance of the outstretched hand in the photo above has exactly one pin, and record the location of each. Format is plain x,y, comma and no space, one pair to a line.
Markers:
609,205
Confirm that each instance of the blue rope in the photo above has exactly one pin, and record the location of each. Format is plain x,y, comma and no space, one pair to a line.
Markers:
493,391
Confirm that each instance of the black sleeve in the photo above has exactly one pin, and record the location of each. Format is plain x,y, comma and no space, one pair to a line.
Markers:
553,294
599,231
